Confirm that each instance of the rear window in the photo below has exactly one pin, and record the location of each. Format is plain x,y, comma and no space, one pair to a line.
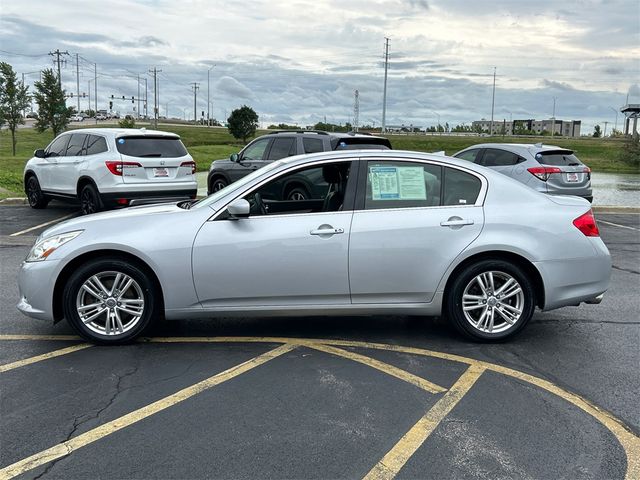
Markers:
360,143
558,158
146,146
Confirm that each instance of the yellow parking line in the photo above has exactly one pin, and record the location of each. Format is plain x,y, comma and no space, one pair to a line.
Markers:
55,220
65,448
397,457
383,367
44,356
39,337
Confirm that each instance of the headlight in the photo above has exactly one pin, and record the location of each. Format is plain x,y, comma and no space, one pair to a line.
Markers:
45,247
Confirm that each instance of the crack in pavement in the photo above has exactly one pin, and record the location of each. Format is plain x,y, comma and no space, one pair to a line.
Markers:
628,270
84,418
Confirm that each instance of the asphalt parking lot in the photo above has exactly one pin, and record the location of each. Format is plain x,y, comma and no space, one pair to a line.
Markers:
350,397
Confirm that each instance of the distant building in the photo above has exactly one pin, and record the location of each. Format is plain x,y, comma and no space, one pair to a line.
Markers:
563,128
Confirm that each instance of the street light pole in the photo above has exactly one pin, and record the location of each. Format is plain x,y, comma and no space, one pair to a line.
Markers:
615,127
208,102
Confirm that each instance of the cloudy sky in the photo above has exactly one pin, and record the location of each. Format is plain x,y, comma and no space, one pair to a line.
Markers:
299,62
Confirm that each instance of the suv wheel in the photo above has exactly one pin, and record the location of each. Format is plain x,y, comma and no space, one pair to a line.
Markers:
217,183
89,200
36,198
297,194
490,300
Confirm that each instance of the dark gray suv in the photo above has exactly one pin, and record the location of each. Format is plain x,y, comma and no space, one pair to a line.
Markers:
281,144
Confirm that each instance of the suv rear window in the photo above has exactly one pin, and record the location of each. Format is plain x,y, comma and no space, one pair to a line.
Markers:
146,146
557,158
360,143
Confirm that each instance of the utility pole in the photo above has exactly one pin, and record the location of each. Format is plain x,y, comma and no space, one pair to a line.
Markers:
553,115
78,80
195,86
155,72
146,108
138,110
356,111
384,92
614,110
57,53
493,100
89,94
95,86
208,109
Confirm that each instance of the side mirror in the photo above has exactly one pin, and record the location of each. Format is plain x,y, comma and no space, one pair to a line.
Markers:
239,208
234,157
39,153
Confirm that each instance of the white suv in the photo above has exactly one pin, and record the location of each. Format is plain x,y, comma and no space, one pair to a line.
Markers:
108,167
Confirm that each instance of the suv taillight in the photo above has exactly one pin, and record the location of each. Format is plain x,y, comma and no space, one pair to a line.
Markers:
116,166
190,164
543,173
587,224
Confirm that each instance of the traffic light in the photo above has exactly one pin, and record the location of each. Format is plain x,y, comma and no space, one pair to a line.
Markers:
110,104
111,96
123,97
133,100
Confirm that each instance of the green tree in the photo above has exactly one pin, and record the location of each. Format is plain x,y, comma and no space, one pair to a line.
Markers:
53,112
242,123
14,98
597,132
630,153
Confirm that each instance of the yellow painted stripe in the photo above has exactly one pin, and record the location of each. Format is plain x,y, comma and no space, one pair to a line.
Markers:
383,367
55,220
40,337
397,457
65,448
44,356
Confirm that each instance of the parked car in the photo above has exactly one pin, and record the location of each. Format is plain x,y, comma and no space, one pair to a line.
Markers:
394,233
545,168
77,118
280,144
101,116
106,168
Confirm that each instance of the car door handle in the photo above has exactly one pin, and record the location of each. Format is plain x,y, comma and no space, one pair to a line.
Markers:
326,230
456,222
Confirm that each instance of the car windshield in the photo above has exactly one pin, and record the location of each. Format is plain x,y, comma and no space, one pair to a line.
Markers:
558,158
236,185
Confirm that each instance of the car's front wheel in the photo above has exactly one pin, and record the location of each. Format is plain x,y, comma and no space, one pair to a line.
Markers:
490,300
110,301
36,198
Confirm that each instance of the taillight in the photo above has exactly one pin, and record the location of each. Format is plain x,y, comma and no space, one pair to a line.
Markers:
189,164
116,166
587,224
543,173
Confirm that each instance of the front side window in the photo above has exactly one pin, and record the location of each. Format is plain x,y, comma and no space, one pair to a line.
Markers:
402,185
95,145
282,147
58,147
76,143
308,190
255,151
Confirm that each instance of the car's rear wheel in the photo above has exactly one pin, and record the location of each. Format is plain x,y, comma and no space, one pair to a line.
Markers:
36,198
490,300
110,301
217,184
89,200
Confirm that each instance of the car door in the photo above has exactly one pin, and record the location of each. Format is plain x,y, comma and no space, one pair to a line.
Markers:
412,219
47,168
251,158
287,254
65,175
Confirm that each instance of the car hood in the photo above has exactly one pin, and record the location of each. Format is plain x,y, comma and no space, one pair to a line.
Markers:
81,223
222,163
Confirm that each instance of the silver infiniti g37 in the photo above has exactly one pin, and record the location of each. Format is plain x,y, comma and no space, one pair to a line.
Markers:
381,232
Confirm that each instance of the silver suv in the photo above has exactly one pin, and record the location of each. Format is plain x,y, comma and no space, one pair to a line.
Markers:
111,167
545,168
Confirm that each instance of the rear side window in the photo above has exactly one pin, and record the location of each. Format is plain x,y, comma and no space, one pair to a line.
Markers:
95,145
498,158
460,188
402,185
58,147
146,146
469,155
76,143
282,147
360,143
558,158
312,145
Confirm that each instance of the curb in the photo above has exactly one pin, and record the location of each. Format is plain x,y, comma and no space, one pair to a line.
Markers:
14,201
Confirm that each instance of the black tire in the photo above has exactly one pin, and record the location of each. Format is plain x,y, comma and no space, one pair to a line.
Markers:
36,198
217,183
297,193
107,268
89,200
501,272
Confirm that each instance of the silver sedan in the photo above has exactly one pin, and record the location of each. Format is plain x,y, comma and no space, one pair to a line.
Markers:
386,232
